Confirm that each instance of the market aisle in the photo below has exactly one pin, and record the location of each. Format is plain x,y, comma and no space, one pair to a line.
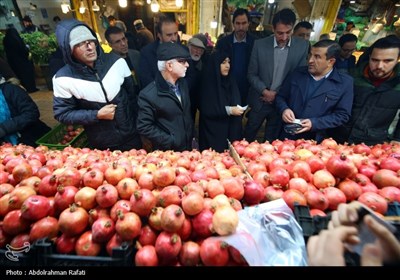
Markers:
44,100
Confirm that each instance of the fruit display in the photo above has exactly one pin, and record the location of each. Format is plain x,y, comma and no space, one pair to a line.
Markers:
169,205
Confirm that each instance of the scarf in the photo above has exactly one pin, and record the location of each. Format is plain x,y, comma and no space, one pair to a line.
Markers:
375,81
5,115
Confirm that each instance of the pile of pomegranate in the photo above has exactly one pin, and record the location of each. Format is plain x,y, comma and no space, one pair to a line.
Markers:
69,134
169,205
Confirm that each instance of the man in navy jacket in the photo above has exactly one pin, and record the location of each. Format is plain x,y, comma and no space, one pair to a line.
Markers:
318,95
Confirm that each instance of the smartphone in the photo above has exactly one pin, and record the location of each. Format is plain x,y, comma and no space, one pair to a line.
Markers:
365,235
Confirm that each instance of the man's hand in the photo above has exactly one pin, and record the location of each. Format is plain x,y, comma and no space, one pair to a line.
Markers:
236,111
268,96
327,248
306,124
107,112
388,243
288,116
386,247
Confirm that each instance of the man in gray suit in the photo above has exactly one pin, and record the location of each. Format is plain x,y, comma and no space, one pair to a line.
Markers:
272,59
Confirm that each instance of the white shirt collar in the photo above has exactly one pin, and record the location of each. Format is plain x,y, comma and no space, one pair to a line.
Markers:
324,77
236,41
287,45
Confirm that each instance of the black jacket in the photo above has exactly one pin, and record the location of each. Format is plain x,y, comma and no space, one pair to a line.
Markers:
24,116
162,118
374,109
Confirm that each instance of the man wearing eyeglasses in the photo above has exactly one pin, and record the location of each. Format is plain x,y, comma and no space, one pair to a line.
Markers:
346,61
164,116
95,90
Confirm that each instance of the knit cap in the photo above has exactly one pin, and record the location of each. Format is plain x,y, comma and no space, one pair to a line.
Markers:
79,34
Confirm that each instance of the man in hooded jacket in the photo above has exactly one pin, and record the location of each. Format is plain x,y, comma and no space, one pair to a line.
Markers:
95,90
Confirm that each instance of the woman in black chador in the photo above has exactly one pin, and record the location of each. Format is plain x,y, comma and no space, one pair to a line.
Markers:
220,117
18,58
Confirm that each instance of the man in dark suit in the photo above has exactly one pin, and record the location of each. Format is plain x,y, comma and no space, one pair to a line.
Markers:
272,59
167,31
238,46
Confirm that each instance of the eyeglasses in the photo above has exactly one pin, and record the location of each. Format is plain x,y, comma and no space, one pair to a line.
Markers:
182,61
348,50
85,44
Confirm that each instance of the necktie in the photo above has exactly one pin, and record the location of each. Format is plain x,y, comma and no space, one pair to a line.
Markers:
177,92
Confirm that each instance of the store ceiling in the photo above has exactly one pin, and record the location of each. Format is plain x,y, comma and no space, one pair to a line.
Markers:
39,3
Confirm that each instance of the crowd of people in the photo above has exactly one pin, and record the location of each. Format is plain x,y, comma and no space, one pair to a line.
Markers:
282,80
151,96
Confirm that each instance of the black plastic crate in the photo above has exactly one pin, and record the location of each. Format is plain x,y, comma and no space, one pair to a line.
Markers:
394,213
47,256
321,223
393,209
303,217
21,257
310,225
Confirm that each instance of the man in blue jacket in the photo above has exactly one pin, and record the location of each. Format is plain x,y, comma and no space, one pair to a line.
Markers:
317,96
95,90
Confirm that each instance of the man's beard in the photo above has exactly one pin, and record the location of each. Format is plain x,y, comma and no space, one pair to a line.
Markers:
195,58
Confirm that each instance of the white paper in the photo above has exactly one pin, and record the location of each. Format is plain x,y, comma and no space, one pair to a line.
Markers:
244,108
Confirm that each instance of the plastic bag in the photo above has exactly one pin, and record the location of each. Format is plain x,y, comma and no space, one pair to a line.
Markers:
269,235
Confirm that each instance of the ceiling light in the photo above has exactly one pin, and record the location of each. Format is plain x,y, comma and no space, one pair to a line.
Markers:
154,6
95,7
214,24
179,3
123,3
82,8
65,8
32,7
